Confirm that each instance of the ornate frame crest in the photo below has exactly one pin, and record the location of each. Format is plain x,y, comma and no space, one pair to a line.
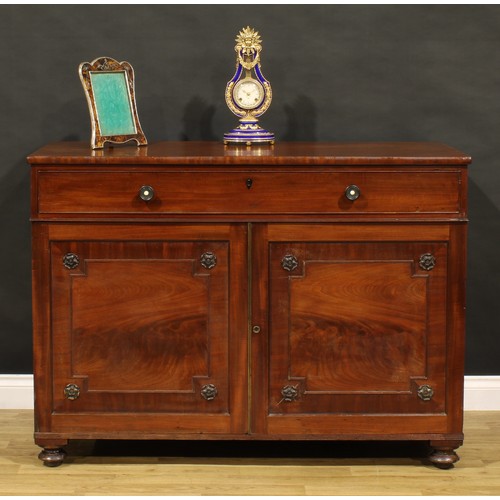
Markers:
110,93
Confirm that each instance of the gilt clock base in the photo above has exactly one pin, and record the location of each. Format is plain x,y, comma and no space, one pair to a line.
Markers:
249,133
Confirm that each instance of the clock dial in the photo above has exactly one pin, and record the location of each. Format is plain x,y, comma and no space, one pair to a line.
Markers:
248,94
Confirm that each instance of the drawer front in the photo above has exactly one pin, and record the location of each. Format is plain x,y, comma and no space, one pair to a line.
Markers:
248,192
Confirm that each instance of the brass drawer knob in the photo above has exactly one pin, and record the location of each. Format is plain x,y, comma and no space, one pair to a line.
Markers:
352,192
146,193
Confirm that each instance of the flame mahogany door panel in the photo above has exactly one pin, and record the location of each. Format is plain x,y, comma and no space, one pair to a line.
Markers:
146,328
357,333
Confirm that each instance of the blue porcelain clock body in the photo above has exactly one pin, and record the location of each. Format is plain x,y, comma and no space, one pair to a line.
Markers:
248,93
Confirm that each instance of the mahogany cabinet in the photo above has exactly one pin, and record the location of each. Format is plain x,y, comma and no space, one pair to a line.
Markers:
187,290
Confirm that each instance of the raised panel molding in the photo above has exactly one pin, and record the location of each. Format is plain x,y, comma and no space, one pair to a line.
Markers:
154,338
481,392
360,369
140,321
366,331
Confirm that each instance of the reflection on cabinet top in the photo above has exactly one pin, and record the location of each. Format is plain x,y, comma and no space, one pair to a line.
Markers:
282,153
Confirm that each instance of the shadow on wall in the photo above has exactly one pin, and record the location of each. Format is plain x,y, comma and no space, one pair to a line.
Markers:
483,284
300,120
198,121
69,122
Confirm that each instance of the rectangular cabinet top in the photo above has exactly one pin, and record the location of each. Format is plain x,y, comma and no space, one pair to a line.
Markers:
282,153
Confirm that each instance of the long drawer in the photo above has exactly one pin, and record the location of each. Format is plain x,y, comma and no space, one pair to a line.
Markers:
247,192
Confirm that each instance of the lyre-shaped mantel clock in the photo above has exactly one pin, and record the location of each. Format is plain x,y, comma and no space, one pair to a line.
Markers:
248,93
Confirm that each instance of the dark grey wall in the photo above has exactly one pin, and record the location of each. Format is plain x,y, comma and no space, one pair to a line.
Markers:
343,73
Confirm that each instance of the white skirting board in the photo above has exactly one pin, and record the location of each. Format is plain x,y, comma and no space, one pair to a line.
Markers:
480,392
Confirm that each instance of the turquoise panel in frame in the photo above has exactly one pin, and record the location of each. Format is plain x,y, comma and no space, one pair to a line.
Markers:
112,102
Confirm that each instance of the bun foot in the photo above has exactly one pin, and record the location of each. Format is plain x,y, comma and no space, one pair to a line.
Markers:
52,457
444,458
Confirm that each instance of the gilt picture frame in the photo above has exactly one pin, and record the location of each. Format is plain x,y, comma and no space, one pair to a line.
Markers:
109,89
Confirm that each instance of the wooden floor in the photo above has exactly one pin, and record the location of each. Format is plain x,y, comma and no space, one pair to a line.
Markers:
176,468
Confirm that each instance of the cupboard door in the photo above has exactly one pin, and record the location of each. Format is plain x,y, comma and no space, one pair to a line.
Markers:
145,327
356,328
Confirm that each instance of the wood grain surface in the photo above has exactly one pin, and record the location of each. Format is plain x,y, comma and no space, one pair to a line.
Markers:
283,153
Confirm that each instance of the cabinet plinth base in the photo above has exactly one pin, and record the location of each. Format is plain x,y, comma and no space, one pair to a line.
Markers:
52,457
